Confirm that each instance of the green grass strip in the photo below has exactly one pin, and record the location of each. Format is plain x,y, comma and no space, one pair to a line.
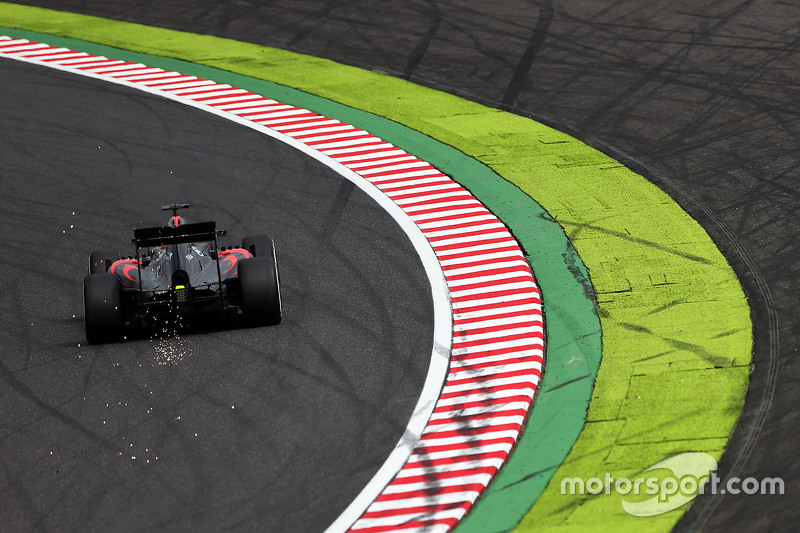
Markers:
676,329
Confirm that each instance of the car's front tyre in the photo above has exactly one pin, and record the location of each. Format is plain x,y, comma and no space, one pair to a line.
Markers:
259,245
101,260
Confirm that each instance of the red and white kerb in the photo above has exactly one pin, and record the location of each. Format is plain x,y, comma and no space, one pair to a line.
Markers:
497,346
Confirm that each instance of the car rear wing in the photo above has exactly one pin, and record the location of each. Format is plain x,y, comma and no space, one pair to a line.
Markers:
159,236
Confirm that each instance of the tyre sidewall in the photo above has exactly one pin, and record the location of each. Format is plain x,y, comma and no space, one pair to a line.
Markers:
261,300
102,301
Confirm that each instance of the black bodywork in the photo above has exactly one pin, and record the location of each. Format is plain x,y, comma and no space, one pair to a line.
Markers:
176,268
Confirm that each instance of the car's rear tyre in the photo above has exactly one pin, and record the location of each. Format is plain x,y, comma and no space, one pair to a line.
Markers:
102,303
259,245
101,260
261,292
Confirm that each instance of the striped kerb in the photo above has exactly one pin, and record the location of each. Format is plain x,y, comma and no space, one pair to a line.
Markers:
498,337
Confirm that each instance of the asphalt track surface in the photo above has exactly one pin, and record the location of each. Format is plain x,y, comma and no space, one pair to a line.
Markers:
699,98
237,428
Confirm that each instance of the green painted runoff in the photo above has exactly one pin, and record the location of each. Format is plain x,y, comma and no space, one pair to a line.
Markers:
572,325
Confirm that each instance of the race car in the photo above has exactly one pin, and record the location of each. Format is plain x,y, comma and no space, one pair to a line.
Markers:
178,270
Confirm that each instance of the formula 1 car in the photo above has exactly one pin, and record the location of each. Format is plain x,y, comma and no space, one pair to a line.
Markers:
178,270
